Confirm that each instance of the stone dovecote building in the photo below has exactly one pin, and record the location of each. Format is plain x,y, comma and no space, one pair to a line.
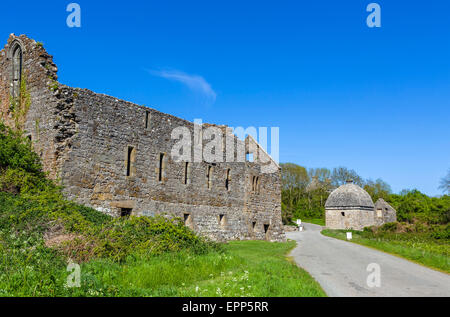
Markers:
115,156
351,207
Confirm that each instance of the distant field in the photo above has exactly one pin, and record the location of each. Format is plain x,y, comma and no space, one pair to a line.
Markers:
434,253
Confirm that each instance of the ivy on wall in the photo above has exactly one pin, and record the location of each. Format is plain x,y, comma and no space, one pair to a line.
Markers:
20,105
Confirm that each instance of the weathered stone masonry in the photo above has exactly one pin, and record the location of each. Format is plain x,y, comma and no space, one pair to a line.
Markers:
115,156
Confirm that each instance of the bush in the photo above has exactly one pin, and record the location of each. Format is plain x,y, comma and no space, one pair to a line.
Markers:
441,232
120,238
32,208
16,153
389,227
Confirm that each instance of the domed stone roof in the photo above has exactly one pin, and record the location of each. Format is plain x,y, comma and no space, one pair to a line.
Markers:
349,196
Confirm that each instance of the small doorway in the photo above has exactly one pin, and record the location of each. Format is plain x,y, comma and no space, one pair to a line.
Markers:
266,230
188,222
222,221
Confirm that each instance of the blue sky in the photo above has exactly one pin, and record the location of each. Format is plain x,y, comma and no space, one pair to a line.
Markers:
374,100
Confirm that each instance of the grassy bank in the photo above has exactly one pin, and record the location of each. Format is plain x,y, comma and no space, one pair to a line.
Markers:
41,233
245,268
420,248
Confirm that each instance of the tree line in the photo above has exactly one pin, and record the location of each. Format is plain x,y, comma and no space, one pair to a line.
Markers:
305,191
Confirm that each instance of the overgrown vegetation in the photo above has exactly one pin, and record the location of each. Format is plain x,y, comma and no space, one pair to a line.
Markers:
20,105
41,232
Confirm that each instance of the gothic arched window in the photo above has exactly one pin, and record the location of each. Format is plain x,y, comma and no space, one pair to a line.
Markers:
16,70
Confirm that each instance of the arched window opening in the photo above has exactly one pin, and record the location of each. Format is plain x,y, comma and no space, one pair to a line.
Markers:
16,71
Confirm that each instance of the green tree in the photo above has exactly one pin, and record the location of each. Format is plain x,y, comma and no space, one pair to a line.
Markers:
294,180
412,205
378,189
445,183
341,174
323,174
16,153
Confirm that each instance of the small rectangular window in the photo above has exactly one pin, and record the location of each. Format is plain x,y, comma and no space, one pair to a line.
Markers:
130,161
249,157
257,185
228,179
222,221
343,214
209,177
188,222
253,225
125,212
147,120
266,230
187,171
161,167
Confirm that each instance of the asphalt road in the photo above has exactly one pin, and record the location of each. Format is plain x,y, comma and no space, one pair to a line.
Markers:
341,268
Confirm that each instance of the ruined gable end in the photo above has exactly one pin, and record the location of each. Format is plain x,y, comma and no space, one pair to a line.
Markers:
384,213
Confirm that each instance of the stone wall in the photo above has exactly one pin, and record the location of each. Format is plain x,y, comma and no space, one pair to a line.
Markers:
355,219
39,120
108,153
384,213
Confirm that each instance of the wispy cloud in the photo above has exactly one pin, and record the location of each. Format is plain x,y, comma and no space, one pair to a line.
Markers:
194,82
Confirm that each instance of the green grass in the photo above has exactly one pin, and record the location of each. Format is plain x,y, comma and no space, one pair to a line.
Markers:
418,248
134,257
245,268
316,221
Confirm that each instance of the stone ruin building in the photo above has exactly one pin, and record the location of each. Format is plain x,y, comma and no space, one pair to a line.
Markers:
351,207
384,213
115,156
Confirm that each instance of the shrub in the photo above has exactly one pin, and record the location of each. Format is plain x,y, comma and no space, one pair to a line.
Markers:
441,232
32,206
389,227
16,153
